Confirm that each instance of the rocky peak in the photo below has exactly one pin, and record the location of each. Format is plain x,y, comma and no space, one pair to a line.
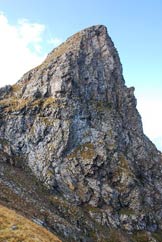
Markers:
73,121
64,73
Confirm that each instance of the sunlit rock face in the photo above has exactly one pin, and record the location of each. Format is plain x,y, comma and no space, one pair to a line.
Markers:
73,121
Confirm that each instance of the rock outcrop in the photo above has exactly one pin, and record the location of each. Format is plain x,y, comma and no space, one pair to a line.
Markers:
74,123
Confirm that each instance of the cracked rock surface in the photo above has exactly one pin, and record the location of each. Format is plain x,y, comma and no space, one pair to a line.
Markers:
74,123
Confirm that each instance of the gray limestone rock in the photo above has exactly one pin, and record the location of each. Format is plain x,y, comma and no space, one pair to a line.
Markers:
73,121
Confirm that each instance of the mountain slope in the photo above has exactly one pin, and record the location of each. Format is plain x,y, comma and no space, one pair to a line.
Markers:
74,124
14,227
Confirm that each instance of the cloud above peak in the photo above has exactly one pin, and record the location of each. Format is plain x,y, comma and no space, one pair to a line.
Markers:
21,48
149,108
30,33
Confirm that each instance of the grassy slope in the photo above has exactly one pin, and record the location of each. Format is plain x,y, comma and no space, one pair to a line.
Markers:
15,228
20,191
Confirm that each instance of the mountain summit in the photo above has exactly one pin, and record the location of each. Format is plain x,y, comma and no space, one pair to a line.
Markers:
74,123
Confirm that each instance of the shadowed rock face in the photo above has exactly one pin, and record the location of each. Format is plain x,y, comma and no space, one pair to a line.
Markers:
73,121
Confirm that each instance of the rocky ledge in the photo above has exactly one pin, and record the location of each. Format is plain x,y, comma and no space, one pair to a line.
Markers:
74,124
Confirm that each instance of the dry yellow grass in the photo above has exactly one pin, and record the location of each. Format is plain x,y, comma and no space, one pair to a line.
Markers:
15,228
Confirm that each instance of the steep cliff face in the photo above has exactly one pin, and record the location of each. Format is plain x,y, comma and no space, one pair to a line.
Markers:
73,121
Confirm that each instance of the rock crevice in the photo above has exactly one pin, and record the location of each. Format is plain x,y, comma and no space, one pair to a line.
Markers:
76,125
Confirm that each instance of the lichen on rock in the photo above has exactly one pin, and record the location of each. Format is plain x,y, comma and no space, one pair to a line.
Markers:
76,124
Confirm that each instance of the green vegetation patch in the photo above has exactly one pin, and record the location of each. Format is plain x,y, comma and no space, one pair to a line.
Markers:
126,211
140,236
85,152
157,235
13,104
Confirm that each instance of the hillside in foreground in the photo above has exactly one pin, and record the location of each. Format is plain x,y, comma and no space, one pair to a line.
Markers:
16,228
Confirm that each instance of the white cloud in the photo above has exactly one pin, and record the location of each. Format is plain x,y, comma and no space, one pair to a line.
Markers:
150,110
20,48
30,33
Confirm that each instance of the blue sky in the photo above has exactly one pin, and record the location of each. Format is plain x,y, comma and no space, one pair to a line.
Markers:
31,29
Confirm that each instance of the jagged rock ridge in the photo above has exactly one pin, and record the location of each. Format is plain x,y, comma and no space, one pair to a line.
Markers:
73,121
